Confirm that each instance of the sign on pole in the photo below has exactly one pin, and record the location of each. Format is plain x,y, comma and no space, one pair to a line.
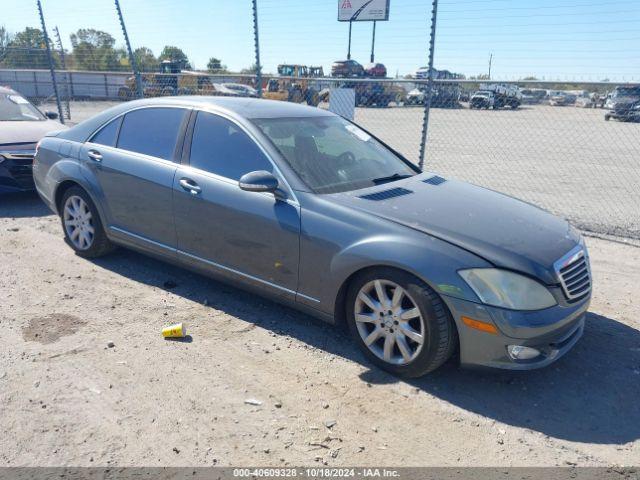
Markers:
363,10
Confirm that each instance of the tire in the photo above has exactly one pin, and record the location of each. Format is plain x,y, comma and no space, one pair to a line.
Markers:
125,94
295,96
167,92
439,334
97,244
312,97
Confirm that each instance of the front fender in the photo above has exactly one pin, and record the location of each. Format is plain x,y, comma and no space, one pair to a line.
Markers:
430,259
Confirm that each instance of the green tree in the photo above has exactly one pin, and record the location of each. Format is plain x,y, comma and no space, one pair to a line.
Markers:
175,54
215,65
253,69
94,50
26,49
5,38
145,59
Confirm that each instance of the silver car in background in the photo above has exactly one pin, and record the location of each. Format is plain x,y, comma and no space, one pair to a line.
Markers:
302,206
21,126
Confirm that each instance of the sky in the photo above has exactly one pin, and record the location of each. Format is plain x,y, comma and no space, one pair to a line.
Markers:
585,40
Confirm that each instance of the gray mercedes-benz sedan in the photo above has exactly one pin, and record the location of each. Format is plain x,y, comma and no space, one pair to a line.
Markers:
307,208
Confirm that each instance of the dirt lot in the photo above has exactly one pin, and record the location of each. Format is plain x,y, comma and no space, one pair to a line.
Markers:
69,399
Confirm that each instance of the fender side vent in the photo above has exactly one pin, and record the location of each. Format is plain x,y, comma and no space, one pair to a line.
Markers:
435,180
386,194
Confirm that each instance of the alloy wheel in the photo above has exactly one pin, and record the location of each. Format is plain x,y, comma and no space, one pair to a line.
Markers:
389,322
78,223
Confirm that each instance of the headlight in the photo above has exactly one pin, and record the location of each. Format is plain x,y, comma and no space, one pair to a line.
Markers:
502,288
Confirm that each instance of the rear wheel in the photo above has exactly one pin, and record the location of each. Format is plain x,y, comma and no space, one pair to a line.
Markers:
167,91
125,93
81,224
399,322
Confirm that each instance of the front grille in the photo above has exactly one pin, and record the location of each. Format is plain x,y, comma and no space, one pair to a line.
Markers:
574,274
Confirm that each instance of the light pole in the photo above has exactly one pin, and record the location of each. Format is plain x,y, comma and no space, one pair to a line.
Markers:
373,42
490,62
349,47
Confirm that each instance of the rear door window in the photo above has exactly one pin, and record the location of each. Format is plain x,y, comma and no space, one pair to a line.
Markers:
219,146
152,131
108,135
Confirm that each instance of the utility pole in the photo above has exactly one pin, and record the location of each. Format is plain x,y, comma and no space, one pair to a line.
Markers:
132,59
64,67
490,61
51,64
256,39
427,105
373,43
349,48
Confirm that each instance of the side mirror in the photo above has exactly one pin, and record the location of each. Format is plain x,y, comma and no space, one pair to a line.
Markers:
51,115
258,181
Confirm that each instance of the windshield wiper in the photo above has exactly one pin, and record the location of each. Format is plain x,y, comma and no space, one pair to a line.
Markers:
391,178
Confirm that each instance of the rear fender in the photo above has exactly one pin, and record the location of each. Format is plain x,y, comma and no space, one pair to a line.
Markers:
70,170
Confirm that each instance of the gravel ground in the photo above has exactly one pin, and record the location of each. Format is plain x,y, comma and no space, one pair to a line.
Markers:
565,159
87,380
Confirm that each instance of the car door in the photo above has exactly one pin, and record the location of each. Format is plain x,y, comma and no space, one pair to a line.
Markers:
132,159
248,236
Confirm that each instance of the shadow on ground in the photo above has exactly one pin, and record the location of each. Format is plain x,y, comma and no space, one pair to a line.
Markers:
588,396
22,205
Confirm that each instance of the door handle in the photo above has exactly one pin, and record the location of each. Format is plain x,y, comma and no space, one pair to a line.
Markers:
94,155
190,186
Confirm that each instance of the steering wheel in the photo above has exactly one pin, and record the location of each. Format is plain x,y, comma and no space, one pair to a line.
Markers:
347,157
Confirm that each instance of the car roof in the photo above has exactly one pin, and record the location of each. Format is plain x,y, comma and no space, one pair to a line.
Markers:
241,108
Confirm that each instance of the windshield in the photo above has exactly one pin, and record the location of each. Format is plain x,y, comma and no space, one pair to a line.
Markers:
627,92
14,108
332,155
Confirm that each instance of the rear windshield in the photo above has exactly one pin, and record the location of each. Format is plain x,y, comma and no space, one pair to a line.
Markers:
14,108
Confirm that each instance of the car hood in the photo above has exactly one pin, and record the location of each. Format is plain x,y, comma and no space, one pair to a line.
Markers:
507,232
26,132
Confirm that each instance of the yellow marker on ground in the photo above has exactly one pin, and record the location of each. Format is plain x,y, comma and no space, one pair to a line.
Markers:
179,330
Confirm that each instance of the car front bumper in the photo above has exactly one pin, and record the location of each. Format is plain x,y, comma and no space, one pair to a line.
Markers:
16,173
627,115
553,332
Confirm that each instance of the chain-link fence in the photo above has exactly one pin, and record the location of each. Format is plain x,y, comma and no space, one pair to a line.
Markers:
547,142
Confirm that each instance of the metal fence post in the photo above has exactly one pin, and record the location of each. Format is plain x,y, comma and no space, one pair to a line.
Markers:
66,76
132,59
51,64
257,45
427,104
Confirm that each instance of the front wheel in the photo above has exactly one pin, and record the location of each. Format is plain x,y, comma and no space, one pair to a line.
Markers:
81,224
399,322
